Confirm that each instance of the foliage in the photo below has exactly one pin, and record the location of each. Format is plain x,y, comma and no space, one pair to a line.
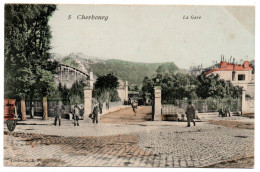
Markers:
148,85
128,71
252,64
28,71
73,95
73,99
167,68
105,88
211,67
178,86
108,81
212,86
133,87
184,86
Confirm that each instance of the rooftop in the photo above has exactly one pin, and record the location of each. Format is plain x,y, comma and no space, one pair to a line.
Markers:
225,66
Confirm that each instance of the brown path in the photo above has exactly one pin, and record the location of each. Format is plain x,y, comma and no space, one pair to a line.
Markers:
127,116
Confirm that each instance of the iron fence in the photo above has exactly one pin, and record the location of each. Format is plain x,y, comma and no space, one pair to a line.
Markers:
38,107
202,105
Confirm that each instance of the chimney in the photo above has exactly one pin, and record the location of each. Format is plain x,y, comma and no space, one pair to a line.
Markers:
246,64
223,64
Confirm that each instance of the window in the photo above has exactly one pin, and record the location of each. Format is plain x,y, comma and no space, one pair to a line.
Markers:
241,77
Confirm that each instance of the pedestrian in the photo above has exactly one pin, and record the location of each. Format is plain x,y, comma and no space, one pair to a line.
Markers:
100,106
59,110
76,114
190,113
227,111
107,105
134,106
95,114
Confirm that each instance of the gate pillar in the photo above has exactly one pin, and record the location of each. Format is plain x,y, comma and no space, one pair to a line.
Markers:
243,101
87,101
157,103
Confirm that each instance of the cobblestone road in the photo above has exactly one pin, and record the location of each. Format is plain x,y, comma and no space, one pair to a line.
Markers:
147,144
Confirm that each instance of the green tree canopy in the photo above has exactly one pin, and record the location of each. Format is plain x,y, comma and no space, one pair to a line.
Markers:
179,86
167,68
28,71
108,81
105,88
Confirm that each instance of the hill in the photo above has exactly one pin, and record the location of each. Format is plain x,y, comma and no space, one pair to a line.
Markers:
132,72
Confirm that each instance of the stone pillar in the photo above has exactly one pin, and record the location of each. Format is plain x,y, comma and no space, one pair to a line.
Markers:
243,101
87,101
91,78
157,103
126,90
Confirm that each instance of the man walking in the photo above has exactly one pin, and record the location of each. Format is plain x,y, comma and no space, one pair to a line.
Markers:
134,106
190,113
95,114
76,114
59,109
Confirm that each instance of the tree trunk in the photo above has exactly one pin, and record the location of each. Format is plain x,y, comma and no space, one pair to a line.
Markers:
45,107
31,104
23,109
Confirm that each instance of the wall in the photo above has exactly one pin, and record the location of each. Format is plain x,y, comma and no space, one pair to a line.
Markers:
123,90
250,106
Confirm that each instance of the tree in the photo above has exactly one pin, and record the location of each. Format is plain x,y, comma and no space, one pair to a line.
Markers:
252,64
107,81
180,86
105,88
28,70
167,68
76,93
148,85
212,86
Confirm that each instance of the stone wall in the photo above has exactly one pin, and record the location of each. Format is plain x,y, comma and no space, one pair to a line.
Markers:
123,90
250,106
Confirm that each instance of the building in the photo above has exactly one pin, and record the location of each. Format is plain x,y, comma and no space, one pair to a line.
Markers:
123,90
237,74
67,75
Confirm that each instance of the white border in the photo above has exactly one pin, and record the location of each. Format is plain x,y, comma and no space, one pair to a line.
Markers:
138,2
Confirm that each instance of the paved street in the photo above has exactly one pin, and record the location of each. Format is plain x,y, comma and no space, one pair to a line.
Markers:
140,143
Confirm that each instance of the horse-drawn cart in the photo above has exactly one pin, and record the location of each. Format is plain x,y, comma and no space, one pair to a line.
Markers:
9,114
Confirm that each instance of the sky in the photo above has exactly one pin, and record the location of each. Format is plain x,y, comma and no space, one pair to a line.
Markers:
152,34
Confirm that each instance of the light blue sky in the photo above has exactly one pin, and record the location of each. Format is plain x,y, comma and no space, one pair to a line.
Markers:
155,33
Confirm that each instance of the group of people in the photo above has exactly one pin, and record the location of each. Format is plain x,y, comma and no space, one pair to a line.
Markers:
191,113
59,110
224,112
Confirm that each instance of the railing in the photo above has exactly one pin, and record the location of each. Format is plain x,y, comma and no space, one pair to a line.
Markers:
171,109
38,109
204,105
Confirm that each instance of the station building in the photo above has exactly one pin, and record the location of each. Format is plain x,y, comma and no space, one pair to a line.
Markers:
238,74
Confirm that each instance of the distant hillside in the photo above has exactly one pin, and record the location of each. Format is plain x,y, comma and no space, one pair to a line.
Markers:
132,72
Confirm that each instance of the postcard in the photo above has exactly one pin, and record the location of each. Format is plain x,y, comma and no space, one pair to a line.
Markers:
129,86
